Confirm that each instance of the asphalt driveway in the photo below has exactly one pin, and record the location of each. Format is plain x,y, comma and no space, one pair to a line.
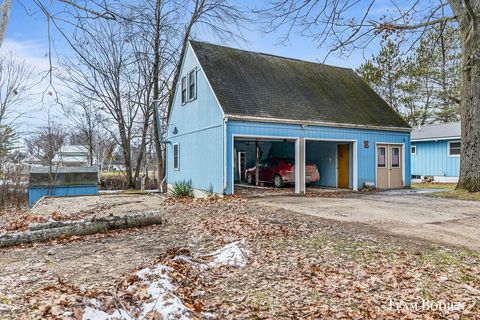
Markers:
403,212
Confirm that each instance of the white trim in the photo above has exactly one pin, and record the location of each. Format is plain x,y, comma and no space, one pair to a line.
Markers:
225,156
297,172
188,85
315,123
178,156
355,166
454,155
436,139
413,146
386,163
181,90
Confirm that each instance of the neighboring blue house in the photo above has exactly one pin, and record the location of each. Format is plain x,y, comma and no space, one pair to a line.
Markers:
435,152
231,105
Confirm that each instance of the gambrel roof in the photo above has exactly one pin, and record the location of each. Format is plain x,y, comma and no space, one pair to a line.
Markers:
251,84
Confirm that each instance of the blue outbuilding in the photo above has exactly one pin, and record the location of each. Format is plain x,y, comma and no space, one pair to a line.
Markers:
53,181
435,152
234,109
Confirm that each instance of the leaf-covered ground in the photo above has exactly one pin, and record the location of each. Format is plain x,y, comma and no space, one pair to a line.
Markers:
299,266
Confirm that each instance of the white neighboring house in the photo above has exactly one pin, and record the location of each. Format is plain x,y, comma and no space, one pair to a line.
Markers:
71,156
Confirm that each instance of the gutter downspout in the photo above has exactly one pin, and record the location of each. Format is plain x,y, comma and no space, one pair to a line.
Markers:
225,119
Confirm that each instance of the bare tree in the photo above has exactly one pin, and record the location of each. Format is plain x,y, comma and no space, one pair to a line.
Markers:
112,70
46,141
346,25
14,86
87,128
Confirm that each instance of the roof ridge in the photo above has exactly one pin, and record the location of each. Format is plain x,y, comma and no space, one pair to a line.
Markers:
269,55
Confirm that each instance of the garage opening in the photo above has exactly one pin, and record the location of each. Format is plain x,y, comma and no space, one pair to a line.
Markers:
260,163
334,161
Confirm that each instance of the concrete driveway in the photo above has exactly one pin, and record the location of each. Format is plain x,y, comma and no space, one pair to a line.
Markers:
400,212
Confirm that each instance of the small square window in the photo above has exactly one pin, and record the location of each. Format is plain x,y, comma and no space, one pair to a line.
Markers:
192,85
381,157
413,148
176,157
184,90
454,148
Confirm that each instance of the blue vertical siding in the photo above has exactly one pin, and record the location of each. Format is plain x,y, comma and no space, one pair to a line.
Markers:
366,156
432,159
200,132
324,155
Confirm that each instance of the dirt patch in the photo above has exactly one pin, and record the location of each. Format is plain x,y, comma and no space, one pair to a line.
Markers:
300,266
117,204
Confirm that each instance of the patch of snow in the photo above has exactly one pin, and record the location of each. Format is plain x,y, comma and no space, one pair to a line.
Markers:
230,255
161,290
162,299
94,314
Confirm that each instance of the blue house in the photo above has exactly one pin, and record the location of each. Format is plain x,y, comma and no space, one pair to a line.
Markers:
234,109
435,152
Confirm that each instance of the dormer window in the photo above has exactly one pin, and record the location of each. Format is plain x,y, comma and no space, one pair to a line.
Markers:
192,85
184,90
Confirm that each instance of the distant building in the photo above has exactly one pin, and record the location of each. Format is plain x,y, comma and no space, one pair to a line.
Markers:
435,152
71,156
32,160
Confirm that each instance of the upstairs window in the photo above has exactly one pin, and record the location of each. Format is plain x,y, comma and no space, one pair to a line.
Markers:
454,148
184,90
192,85
414,150
176,157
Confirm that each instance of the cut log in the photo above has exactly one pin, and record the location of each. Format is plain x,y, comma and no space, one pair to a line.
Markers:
46,231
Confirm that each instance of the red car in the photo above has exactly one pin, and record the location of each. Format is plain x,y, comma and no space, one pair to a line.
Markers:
280,172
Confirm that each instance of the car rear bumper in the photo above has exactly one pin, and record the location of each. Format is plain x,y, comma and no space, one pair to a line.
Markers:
290,177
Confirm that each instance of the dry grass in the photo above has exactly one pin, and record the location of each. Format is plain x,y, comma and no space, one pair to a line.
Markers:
458,194
429,185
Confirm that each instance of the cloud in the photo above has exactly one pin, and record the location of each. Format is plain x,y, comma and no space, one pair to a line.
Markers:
33,111
32,52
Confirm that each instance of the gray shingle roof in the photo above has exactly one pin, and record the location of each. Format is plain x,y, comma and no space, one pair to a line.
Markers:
261,85
437,131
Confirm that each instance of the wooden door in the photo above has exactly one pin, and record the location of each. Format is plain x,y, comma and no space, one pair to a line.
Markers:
343,165
382,167
395,166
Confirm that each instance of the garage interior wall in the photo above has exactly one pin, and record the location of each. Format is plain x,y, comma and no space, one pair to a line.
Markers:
324,155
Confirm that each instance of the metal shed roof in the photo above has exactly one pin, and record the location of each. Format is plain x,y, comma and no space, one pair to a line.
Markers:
451,130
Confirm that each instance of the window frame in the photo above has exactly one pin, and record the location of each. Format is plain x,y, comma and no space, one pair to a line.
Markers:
450,148
398,165
384,157
176,164
183,89
411,149
194,72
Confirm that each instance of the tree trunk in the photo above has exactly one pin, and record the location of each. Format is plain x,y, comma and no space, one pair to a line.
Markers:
156,95
470,106
52,230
